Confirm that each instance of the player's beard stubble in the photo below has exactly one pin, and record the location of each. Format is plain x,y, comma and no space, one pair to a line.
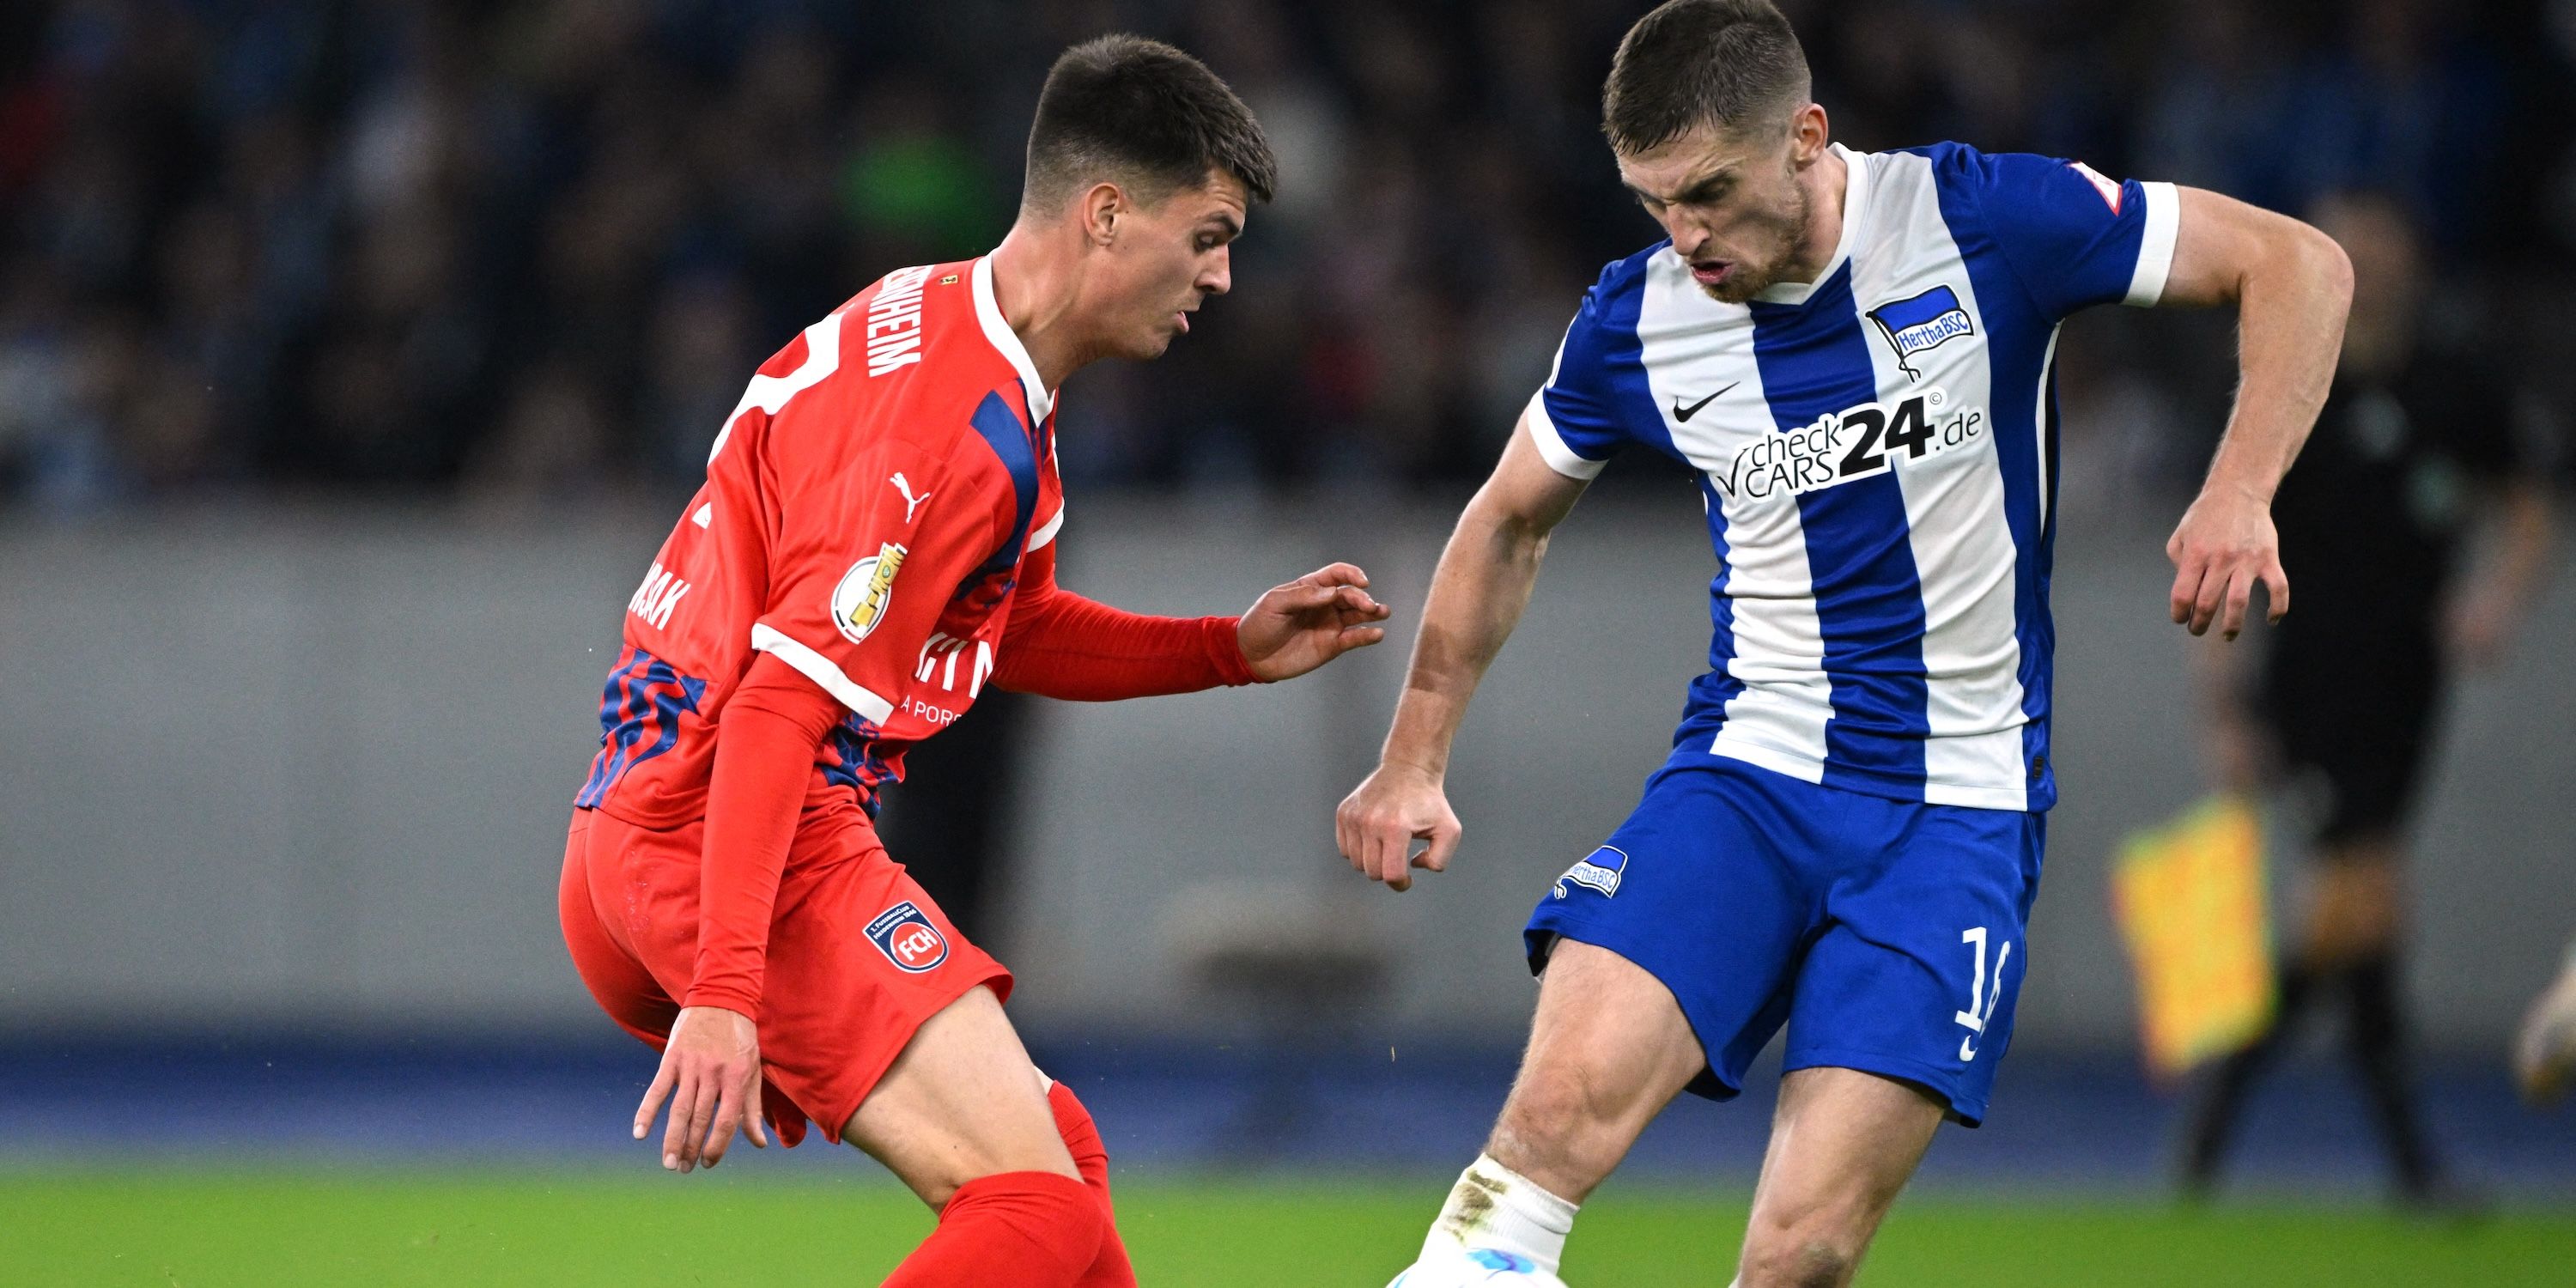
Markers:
1786,233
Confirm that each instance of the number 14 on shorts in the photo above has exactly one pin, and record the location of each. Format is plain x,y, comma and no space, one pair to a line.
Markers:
1982,994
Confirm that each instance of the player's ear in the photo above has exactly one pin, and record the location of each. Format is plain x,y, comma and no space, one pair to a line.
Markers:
1103,204
1808,135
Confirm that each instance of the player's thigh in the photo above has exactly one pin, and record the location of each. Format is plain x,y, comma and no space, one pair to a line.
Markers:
1708,834
883,1023
1843,1144
859,960
1917,972
1609,1048
963,1101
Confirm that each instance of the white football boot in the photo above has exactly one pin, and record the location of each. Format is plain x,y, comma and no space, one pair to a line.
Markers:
1475,1268
2544,1052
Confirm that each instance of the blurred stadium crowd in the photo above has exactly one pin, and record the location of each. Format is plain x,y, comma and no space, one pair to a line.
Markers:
534,249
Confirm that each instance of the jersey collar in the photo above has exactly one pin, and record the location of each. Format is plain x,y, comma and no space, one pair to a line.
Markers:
1005,341
1855,203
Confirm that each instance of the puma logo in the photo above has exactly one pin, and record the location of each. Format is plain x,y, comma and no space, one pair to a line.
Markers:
910,502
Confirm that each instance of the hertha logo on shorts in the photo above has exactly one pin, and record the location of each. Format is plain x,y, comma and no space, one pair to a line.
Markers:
908,939
1598,870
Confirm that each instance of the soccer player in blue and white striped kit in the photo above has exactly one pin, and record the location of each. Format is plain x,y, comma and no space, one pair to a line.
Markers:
1852,352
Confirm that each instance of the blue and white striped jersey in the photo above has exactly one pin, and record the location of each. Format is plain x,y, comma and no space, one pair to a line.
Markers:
1876,451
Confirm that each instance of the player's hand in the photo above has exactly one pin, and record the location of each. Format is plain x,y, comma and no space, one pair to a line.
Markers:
711,1074
1382,818
2224,545
1295,628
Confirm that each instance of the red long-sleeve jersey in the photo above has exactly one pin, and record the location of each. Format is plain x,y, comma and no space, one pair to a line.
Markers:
878,519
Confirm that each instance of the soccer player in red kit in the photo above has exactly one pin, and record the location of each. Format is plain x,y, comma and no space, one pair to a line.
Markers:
874,546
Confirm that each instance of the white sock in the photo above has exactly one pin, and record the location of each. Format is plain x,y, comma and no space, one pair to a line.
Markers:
1493,1206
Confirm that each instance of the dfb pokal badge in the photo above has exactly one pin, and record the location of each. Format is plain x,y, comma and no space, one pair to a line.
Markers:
859,602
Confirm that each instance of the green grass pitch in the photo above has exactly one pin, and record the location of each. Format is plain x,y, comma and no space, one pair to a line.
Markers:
385,1229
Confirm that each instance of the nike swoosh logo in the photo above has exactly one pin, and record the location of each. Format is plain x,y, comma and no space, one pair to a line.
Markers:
1685,413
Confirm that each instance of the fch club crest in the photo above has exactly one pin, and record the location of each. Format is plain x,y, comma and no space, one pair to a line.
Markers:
1923,322
904,934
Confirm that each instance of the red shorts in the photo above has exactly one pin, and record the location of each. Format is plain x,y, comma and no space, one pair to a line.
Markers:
858,955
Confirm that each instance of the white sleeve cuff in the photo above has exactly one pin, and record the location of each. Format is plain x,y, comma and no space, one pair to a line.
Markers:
1551,445
818,668
2155,245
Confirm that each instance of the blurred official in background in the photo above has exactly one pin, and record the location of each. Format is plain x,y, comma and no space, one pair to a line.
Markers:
2418,448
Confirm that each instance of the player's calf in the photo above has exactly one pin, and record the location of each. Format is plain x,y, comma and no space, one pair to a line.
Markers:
1081,1138
1111,1268
1028,1229
1567,1126
1609,1048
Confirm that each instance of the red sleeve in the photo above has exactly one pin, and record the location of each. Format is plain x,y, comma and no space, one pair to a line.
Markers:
765,747
1061,645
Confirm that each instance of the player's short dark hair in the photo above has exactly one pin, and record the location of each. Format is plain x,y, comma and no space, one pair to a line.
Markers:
1145,116
1726,63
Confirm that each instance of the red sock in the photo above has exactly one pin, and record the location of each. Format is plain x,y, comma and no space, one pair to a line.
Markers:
1024,1229
1110,1269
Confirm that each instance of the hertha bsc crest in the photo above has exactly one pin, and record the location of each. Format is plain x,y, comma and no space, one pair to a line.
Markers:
859,602
1923,322
1598,870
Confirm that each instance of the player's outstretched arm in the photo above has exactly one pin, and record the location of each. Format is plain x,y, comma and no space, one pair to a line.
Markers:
1477,594
2291,286
1061,645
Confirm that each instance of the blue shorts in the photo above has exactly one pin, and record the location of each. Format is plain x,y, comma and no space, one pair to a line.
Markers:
1886,934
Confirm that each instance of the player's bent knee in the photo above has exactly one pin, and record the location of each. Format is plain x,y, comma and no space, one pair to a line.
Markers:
1797,1263
937,1181
1816,1248
961,1103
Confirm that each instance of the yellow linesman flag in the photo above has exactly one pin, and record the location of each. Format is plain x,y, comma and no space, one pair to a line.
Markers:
2189,897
